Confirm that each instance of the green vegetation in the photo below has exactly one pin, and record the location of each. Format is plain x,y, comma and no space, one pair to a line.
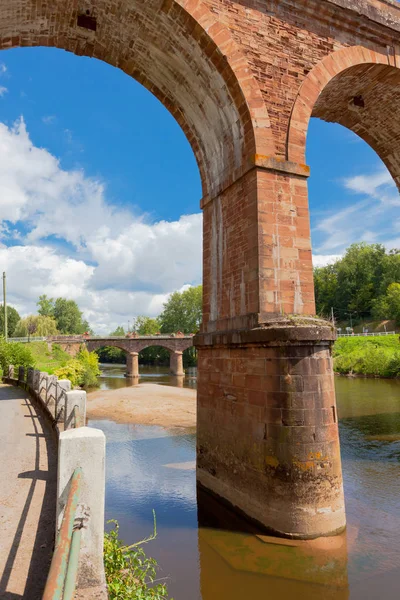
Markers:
82,370
65,312
12,320
365,283
130,574
182,311
37,325
16,354
369,356
45,359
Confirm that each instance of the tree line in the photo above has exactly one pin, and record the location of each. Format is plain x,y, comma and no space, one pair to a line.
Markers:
60,316
363,284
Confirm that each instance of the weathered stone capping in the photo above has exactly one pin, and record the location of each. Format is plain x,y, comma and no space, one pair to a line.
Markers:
78,446
268,439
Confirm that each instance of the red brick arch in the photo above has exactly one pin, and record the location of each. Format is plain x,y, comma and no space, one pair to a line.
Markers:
327,92
181,53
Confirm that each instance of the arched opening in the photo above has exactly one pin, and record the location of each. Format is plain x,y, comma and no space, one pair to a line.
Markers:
164,46
357,89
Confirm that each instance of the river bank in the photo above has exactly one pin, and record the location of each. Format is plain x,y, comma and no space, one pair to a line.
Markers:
367,356
145,404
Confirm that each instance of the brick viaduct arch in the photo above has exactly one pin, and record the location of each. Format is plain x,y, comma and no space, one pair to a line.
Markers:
242,78
132,347
359,89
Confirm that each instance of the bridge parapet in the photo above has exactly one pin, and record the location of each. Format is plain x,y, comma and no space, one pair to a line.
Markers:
80,449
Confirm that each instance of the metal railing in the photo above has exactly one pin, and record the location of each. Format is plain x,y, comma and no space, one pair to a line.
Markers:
61,581
367,334
27,339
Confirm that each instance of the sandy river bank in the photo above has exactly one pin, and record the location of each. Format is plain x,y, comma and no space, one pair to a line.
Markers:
145,404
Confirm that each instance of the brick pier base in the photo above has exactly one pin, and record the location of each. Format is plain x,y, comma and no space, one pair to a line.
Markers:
267,432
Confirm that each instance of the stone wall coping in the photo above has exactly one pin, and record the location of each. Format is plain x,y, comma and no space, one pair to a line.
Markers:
298,331
384,12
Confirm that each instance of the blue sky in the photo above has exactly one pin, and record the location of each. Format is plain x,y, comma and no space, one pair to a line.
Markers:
99,189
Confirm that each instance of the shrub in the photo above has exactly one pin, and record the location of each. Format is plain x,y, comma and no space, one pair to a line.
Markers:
374,356
16,354
73,371
82,370
130,574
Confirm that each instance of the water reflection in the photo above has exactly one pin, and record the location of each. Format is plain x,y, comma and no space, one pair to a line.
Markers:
113,377
208,553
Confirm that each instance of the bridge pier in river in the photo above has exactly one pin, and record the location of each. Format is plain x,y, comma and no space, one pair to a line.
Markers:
132,365
176,363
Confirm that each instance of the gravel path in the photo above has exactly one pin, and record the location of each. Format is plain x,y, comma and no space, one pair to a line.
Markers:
27,497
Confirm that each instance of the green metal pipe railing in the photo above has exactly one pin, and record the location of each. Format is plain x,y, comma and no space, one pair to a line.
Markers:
61,580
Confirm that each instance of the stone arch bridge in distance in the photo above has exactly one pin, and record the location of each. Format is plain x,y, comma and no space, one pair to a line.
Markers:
174,343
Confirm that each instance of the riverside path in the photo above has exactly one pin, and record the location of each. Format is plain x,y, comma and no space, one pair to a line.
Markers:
27,496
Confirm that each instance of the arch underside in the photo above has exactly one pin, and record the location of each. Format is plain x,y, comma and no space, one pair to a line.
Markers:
159,44
366,99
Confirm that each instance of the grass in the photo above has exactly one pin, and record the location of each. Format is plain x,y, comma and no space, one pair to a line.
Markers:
130,573
48,360
368,356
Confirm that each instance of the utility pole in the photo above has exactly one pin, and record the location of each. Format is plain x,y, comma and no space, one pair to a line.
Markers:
5,306
333,316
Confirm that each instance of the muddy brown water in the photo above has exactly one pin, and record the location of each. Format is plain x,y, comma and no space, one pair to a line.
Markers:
206,552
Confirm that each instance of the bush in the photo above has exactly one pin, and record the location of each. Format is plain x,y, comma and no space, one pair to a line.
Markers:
373,356
130,574
73,371
82,370
16,354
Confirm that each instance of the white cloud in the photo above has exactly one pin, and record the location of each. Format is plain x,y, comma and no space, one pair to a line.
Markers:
49,119
321,260
373,218
122,265
3,90
3,68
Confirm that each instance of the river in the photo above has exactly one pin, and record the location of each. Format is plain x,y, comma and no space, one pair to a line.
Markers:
205,552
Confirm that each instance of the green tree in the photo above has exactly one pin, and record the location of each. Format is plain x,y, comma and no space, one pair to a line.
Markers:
182,311
325,285
68,317
355,282
146,325
119,332
45,306
388,306
12,320
37,325
359,275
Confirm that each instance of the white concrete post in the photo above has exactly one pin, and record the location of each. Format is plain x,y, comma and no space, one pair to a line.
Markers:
75,409
85,447
63,385
11,371
43,376
51,394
